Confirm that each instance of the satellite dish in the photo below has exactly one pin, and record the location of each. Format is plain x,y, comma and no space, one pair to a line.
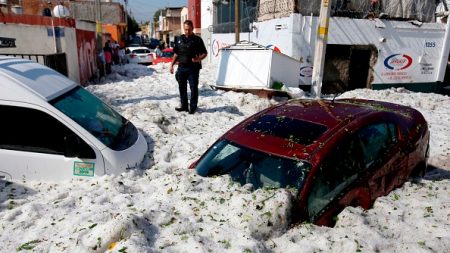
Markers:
60,11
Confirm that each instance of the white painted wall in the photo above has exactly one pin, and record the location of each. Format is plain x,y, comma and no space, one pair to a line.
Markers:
69,46
395,40
278,32
422,44
206,8
30,39
34,39
183,17
206,18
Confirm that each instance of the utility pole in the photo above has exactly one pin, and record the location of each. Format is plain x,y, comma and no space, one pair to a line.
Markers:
126,21
98,22
53,25
445,51
320,49
237,21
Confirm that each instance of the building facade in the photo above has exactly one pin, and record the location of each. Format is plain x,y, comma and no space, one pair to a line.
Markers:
169,25
371,44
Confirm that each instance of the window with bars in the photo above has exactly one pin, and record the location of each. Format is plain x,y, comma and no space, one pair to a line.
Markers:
224,15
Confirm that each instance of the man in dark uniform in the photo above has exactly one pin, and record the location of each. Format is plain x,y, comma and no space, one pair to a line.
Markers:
189,51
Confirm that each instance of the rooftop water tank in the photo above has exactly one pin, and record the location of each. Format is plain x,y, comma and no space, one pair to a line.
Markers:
60,11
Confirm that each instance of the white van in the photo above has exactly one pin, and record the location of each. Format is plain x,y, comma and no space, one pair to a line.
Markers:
53,129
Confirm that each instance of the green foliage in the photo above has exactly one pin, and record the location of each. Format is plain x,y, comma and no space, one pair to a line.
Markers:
133,25
277,85
395,197
226,243
11,204
170,222
156,15
268,214
99,243
28,246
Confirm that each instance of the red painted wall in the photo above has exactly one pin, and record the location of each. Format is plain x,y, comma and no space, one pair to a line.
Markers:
194,12
86,54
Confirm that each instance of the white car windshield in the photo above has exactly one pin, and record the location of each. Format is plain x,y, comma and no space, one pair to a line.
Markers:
103,122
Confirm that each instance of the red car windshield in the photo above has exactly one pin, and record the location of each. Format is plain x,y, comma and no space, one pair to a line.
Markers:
246,165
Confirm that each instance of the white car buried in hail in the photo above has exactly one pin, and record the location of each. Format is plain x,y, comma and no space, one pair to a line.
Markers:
140,55
54,129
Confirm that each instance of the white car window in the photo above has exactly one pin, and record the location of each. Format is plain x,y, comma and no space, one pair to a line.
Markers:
141,51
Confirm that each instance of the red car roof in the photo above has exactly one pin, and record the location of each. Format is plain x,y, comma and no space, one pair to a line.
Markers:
321,112
325,114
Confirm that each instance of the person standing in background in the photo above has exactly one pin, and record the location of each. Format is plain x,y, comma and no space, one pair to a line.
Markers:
107,51
115,52
189,51
122,55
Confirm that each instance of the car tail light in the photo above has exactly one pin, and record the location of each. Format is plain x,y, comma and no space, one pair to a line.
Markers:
133,55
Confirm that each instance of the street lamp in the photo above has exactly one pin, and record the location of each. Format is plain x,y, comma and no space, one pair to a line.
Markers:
49,3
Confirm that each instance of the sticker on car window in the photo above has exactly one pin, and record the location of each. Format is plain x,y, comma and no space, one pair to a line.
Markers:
83,169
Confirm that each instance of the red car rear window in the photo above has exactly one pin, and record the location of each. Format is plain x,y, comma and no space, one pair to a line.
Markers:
299,131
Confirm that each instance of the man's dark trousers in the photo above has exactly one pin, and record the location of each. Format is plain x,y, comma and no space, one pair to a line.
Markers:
183,75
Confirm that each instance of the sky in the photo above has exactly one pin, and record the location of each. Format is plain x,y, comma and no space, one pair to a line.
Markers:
143,10
163,206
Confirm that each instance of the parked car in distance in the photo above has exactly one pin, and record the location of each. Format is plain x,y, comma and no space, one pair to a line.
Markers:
141,55
330,154
134,45
151,43
54,129
135,40
166,56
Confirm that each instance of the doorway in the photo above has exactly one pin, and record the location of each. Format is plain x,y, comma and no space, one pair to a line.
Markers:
359,68
348,67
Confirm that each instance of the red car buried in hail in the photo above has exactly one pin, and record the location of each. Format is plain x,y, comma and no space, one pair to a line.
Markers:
331,154
165,56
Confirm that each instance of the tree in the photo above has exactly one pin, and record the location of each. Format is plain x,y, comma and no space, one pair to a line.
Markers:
157,14
133,26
